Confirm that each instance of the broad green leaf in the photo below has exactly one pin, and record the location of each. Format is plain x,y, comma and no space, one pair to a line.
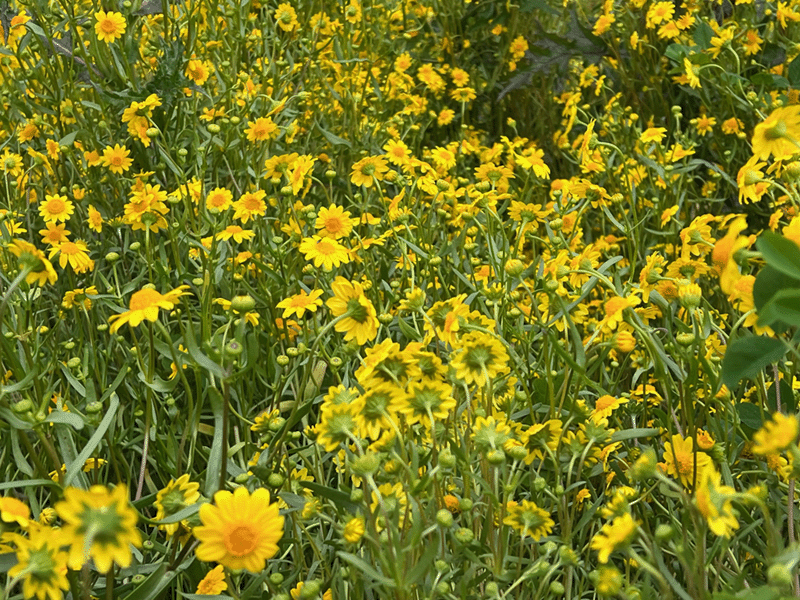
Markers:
746,356
151,588
783,307
7,561
749,415
780,253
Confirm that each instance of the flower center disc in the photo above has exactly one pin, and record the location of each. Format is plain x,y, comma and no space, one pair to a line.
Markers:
241,540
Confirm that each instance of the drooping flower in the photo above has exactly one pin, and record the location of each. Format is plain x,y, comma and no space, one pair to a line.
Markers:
41,564
777,435
240,530
99,524
613,536
360,320
778,135
529,520
178,494
213,583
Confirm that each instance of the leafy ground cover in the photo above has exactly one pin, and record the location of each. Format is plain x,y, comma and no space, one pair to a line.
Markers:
407,299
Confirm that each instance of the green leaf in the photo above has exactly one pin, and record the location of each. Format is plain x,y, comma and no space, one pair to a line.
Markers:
746,356
155,583
793,72
215,457
629,434
749,415
182,514
93,442
67,418
7,561
13,485
769,282
780,253
338,497
333,139
784,307
366,569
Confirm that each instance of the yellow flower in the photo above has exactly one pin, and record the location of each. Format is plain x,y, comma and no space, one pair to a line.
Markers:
713,501
778,134
198,71
776,435
262,129
101,521
251,204
95,220
359,320
144,304
300,303
41,269
56,208
479,357
237,233
76,254
368,170
529,520
614,535
213,583
109,26
116,158
680,460
240,530
54,233
14,511
354,530
219,199
178,494
324,252
286,17
334,222
41,564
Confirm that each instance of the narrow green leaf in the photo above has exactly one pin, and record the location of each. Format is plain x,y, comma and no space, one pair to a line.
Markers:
66,418
366,569
215,457
155,583
182,514
746,357
629,434
780,253
93,442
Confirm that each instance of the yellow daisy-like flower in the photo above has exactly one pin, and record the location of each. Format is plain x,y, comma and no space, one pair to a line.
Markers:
324,252
360,320
354,530
679,460
237,233
56,208
713,501
14,511
300,303
109,26
617,534
778,134
334,222
530,520
41,269
240,530
262,129
41,564
144,305
368,170
116,158
776,435
219,199
213,583
99,524
76,254
54,233
286,17
250,205
179,494
95,220
479,358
